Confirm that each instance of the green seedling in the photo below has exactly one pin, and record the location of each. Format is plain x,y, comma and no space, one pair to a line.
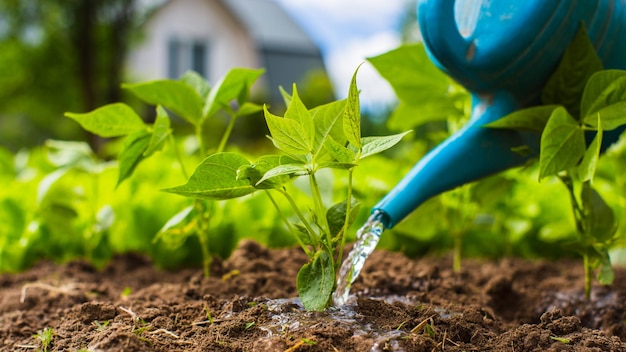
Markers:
192,99
312,140
581,102
101,326
249,325
45,338
561,339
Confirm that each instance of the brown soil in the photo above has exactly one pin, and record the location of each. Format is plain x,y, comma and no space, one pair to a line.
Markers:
248,305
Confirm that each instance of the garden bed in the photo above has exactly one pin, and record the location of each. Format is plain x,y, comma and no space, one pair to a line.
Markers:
248,304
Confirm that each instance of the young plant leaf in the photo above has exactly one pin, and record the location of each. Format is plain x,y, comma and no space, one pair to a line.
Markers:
178,228
600,219
580,61
288,135
249,108
284,170
338,151
374,145
160,131
197,82
604,88
255,172
352,115
111,120
286,96
296,111
315,281
216,178
531,119
562,144
328,124
605,274
177,96
132,153
235,85
613,116
587,167
336,215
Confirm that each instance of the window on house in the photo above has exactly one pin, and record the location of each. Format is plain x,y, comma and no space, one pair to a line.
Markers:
187,55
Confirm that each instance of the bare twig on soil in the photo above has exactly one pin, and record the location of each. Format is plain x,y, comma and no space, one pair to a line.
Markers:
132,314
422,324
164,331
69,289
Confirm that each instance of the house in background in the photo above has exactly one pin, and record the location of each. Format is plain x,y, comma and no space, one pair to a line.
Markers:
213,36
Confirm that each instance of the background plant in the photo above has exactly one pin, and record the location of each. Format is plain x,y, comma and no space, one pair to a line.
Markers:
193,100
581,102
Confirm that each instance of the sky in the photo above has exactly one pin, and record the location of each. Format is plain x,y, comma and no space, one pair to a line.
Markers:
347,32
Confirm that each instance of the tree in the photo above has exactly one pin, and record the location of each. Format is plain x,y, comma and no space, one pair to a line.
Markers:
60,55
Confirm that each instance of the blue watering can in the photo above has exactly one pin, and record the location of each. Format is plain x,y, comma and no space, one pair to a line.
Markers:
503,52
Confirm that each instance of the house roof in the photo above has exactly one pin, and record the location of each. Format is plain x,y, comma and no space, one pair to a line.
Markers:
271,26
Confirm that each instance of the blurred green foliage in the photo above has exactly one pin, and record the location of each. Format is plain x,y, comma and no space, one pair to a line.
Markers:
59,200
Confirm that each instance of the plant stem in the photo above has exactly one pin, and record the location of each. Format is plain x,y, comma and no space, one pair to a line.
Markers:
227,133
456,256
588,275
201,233
346,223
319,208
178,156
306,224
200,138
289,226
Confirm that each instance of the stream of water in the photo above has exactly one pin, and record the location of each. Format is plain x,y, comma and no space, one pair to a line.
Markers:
367,238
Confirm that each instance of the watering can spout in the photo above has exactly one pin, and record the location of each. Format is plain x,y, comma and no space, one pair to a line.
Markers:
473,152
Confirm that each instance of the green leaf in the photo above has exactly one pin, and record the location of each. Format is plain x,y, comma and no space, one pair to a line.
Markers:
111,120
530,119
298,112
328,123
132,153
216,178
315,281
160,131
352,114
288,135
374,145
411,73
605,275
603,88
284,170
235,85
612,116
562,144
588,166
178,228
177,96
580,61
197,82
338,151
335,165
336,215
286,96
599,217
254,172
249,108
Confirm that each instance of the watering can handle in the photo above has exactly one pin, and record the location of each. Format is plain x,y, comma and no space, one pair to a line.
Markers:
452,48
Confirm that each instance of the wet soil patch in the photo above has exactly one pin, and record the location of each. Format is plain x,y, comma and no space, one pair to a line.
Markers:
248,304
